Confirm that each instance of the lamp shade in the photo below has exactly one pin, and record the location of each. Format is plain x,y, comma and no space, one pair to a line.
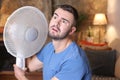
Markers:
99,19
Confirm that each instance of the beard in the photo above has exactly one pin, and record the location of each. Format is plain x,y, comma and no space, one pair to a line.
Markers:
58,37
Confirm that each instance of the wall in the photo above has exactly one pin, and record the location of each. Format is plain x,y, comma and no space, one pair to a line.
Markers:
113,17
87,7
8,6
113,30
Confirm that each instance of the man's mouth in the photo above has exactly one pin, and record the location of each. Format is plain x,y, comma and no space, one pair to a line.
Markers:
54,29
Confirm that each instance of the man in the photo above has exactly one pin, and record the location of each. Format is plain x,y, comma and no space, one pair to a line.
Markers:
61,59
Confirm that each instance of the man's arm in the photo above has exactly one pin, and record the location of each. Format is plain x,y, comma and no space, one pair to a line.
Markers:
32,64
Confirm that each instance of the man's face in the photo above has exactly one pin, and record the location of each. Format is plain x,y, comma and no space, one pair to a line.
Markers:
60,24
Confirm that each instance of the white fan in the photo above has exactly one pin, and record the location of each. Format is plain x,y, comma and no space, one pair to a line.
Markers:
25,33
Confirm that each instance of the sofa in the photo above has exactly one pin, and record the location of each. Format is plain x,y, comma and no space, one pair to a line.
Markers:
6,60
102,63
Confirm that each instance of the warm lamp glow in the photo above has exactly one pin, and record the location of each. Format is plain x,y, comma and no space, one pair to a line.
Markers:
99,19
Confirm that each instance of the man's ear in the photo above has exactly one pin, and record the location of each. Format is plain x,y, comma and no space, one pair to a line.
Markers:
73,29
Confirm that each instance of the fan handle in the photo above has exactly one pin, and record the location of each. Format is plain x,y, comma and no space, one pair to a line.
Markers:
20,62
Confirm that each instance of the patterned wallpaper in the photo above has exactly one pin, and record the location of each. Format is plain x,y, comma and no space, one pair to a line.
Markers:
86,9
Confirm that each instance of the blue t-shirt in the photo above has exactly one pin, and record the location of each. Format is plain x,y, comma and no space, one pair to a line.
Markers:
70,64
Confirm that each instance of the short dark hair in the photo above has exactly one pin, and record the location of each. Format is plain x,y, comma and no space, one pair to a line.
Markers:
70,9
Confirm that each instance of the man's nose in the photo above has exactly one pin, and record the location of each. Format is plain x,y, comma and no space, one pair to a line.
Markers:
57,22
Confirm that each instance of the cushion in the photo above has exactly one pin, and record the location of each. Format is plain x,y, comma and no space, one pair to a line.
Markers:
102,62
6,60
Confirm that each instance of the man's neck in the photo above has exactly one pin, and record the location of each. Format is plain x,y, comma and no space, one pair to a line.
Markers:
61,45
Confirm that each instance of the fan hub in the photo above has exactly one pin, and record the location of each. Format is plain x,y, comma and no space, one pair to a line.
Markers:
31,34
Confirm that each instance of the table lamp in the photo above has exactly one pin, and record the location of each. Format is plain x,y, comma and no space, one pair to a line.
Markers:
99,20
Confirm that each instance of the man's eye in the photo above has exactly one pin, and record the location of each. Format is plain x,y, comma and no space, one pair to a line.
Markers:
54,17
64,21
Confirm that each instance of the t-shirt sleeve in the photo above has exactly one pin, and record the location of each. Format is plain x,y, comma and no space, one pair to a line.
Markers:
40,55
73,69
43,52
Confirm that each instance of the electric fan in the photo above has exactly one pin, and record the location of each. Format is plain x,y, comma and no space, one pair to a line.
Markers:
25,33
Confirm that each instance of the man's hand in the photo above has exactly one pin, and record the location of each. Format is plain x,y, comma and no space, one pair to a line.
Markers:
19,73
54,78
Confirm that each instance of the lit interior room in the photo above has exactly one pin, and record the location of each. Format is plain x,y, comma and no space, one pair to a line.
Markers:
98,34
